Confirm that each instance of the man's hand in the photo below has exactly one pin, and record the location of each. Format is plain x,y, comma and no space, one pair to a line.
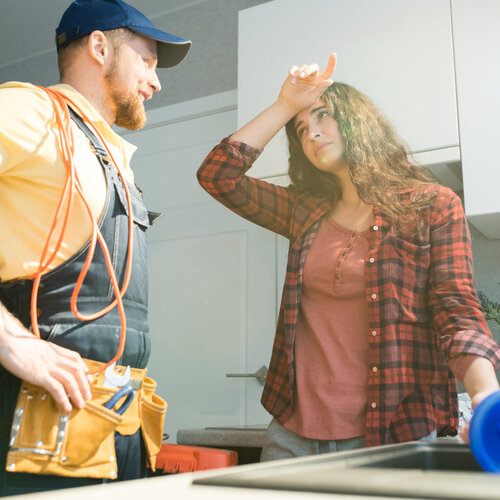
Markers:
58,370
305,84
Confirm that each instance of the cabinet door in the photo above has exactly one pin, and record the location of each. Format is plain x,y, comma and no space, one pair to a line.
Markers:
398,52
476,33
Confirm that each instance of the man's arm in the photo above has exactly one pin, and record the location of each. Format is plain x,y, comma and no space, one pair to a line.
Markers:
60,371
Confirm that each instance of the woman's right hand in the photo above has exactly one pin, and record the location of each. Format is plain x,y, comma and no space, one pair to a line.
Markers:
305,85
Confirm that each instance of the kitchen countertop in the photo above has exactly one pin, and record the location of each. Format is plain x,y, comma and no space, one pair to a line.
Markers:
180,487
436,482
447,471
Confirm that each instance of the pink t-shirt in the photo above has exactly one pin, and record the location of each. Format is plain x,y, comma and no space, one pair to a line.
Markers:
331,344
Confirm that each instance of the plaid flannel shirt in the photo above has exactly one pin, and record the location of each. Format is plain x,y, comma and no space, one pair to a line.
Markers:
422,304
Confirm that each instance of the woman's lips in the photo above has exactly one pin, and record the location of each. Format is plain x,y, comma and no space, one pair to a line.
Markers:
320,148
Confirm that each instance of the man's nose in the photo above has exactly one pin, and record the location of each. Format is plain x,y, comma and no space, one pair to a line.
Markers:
155,82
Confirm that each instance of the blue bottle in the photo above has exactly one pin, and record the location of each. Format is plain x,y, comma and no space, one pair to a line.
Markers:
484,433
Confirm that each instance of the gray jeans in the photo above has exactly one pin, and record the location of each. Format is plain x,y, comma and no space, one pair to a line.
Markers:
284,443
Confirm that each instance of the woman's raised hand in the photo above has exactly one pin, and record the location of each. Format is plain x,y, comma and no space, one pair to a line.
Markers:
301,89
305,84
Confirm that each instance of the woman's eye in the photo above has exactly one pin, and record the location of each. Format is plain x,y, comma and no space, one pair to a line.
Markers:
301,132
322,114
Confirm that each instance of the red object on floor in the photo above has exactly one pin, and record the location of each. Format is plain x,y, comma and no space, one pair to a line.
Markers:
174,458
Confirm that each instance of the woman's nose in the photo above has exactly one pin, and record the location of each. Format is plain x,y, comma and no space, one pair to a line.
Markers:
314,134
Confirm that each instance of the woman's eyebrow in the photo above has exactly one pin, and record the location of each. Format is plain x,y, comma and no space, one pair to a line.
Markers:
314,110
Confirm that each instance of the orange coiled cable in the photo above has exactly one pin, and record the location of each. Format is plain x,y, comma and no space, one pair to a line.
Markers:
66,147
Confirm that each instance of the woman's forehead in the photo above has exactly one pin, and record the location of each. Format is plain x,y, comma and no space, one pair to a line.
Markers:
301,115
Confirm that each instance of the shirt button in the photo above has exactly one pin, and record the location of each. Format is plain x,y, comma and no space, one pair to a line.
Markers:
374,333
374,296
374,369
375,228
372,260
374,405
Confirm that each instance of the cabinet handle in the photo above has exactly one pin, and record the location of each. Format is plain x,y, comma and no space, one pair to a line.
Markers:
260,374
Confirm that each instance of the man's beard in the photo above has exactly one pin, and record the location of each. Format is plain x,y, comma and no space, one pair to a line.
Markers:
129,109
130,112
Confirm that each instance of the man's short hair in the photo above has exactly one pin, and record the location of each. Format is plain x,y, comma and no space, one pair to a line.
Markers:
66,54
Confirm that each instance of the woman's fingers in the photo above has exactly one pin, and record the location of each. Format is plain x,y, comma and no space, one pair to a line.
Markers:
303,72
304,85
330,67
464,433
310,70
293,70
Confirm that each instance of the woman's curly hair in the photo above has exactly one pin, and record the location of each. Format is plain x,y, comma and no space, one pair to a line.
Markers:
376,157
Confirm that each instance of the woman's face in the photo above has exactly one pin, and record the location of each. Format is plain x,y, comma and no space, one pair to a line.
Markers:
318,132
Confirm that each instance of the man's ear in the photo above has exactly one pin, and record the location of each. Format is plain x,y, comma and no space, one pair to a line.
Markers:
98,47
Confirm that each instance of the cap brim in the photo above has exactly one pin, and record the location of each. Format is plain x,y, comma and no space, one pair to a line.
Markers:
171,49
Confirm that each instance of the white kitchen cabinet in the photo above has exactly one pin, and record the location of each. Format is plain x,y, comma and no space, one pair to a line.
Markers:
398,52
476,34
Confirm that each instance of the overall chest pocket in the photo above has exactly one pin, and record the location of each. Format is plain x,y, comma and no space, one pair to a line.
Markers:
140,213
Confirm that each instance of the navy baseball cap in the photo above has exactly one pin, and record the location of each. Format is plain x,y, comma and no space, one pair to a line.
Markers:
83,17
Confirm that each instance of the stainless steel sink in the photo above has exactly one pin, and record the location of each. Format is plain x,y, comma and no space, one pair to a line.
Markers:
441,469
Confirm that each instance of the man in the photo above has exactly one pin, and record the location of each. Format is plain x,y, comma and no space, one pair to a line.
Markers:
108,53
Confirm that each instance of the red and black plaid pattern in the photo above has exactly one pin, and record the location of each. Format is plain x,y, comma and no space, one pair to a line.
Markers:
421,299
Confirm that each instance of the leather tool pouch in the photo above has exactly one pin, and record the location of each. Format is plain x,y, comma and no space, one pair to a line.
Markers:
45,440
152,412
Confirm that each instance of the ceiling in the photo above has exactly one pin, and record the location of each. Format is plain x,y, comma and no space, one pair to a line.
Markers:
27,26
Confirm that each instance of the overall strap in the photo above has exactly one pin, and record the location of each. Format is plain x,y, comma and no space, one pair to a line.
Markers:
99,149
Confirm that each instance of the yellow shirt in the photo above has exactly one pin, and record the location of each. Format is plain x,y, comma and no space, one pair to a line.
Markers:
32,176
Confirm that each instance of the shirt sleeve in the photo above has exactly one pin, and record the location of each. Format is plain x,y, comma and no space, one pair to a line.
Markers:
456,311
223,176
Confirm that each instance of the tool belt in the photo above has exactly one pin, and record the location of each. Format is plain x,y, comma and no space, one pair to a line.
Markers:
46,440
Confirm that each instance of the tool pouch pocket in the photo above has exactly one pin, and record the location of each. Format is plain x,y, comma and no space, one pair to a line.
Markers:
44,440
152,410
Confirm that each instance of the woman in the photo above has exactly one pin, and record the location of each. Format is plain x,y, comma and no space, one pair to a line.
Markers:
379,301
